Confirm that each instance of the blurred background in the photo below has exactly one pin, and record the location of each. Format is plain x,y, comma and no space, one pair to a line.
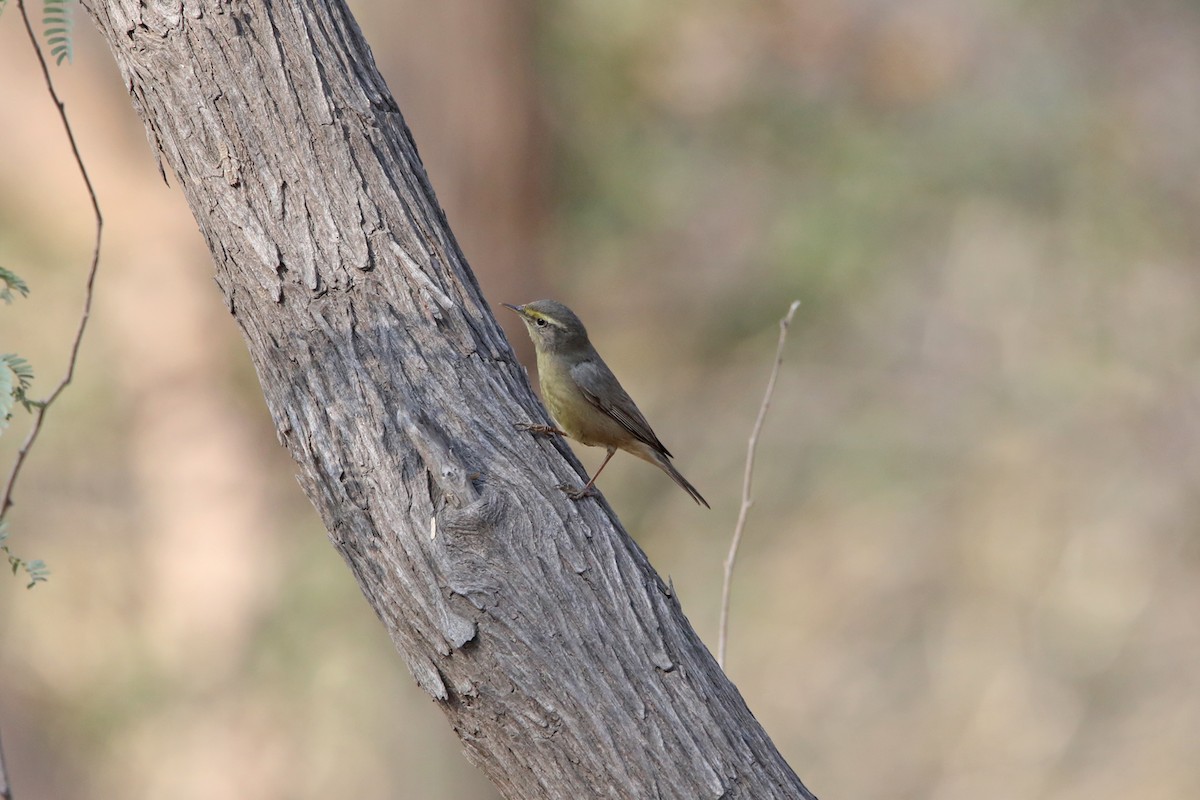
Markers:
972,570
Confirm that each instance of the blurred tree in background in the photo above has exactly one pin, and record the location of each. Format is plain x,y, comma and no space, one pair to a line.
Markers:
972,570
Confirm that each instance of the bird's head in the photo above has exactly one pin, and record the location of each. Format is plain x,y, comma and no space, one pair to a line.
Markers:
551,325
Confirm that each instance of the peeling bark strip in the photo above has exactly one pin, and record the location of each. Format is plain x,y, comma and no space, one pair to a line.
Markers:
557,653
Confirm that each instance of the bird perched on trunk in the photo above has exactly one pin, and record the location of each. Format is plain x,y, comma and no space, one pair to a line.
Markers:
585,399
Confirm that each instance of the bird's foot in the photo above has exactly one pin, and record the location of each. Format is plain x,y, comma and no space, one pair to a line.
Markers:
539,430
577,494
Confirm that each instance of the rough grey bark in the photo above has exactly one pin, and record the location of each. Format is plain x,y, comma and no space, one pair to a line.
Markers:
561,659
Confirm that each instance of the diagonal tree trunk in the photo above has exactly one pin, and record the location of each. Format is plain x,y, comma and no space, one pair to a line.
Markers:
561,659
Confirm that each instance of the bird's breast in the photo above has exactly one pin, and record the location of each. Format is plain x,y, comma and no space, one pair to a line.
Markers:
571,410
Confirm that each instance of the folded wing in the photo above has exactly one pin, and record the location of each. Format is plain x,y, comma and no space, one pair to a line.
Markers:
595,380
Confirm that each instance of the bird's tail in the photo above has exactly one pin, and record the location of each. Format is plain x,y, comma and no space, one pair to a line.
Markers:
669,468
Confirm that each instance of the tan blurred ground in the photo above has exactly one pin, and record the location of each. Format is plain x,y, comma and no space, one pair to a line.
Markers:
972,570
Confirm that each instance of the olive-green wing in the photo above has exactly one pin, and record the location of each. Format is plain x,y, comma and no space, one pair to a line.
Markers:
601,388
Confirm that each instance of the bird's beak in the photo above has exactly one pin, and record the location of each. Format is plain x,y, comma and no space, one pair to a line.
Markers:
519,309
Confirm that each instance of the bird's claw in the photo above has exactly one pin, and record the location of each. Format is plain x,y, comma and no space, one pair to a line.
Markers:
539,430
577,494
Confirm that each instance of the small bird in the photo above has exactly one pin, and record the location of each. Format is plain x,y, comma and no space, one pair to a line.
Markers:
585,399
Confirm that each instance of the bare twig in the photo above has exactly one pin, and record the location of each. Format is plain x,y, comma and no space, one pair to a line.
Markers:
731,559
5,789
43,406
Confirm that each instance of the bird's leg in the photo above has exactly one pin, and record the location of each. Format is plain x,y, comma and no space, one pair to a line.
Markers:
539,430
586,491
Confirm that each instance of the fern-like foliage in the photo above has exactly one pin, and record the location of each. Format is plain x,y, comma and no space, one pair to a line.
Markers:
58,22
35,569
9,281
16,376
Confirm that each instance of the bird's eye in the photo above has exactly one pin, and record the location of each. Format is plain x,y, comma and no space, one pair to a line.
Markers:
540,322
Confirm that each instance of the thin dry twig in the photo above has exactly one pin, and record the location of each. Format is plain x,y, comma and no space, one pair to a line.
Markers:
39,415
5,789
747,477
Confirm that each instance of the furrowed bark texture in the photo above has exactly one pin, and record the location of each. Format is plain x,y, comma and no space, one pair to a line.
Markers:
561,659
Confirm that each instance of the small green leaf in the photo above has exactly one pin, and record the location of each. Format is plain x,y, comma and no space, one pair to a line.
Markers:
11,283
57,26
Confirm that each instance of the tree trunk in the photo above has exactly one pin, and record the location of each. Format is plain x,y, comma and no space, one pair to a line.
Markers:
561,659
